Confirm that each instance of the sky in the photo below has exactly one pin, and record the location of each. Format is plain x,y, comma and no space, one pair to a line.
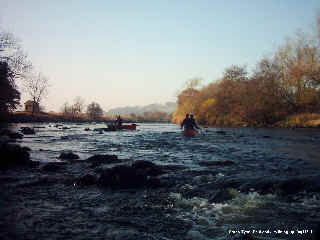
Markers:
128,53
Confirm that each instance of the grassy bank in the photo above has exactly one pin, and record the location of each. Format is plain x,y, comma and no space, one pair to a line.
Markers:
303,120
306,120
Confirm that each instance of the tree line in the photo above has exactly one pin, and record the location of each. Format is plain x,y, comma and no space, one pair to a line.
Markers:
78,110
283,84
93,111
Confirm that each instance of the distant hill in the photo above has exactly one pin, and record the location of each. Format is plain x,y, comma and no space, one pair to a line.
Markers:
168,107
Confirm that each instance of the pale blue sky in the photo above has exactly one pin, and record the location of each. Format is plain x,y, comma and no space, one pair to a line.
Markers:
120,53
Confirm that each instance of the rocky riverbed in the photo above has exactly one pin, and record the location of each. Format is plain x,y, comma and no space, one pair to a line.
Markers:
70,182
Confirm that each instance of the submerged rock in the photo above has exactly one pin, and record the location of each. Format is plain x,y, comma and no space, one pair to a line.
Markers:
156,182
122,177
5,132
104,159
221,195
266,136
86,180
14,155
53,166
26,149
299,184
4,139
148,168
281,185
221,132
39,127
216,163
15,135
27,131
68,156
11,134
136,176
100,129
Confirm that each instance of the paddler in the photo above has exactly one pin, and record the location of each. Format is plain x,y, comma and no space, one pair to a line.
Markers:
119,121
186,122
193,122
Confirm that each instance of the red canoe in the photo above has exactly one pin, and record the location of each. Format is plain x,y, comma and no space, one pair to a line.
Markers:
189,133
130,127
112,127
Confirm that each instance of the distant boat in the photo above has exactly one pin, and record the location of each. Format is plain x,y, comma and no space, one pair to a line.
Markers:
113,127
189,133
129,127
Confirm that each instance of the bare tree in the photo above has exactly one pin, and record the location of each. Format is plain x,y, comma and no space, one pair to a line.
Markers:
78,106
36,85
94,111
12,53
65,109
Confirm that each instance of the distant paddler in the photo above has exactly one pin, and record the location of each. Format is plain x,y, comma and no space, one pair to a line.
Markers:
189,124
118,122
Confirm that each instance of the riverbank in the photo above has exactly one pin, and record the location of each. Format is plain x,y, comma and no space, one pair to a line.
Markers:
310,120
304,120
27,117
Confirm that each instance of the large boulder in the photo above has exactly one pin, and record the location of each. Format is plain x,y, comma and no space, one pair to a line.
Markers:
282,185
15,135
122,177
68,156
148,168
299,184
11,134
27,131
104,159
139,174
14,155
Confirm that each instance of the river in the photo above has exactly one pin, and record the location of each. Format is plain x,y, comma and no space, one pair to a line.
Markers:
226,183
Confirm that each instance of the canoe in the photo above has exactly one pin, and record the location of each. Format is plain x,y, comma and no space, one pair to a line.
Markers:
127,127
189,133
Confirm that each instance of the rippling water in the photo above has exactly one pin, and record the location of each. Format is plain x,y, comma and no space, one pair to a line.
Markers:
266,155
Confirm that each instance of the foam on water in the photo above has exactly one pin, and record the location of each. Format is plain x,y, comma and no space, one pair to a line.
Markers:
243,207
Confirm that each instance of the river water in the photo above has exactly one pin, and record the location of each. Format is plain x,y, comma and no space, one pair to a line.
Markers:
224,184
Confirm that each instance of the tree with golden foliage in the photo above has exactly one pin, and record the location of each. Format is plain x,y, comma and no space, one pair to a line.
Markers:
285,84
